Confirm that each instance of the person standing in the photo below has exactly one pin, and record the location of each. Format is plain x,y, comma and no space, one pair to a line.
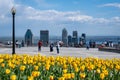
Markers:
57,48
39,45
87,46
51,47
22,43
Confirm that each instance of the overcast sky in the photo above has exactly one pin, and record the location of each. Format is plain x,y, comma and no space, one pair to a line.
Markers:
93,17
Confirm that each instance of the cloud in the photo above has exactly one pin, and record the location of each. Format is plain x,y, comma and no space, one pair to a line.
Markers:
5,9
54,15
36,19
100,21
81,18
111,5
2,17
5,5
30,13
116,19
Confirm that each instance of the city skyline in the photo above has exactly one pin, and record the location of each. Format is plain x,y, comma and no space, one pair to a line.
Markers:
93,17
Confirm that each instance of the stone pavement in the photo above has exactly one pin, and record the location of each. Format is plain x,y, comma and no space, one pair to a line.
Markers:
76,52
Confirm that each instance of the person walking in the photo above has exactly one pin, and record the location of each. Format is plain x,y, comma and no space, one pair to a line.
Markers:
57,48
39,45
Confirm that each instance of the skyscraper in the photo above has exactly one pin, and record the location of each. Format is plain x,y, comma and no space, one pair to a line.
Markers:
83,36
69,40
75,38
28,37
44,37
64,36
82,40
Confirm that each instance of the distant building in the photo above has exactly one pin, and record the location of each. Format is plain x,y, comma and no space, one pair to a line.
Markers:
44,37
82,40
75,38
83,36
28,38
69,40
64,37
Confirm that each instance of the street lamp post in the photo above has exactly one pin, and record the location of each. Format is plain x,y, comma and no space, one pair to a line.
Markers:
13,10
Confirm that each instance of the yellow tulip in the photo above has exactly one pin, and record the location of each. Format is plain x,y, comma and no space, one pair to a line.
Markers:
74,65
82,75
61,78
98,65
13,66
39,64
76,69
22,68
30,78
64,75
68,76
51,78
102,76
105,72
82,68
111,66
9,64
72,75
47,67
52,63
35,73
24,62
65,66
98,71
17,62
13,77
90,67
36,68
64,71
7,71
117,67
2,65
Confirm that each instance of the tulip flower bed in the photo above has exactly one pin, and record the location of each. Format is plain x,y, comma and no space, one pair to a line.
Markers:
37,67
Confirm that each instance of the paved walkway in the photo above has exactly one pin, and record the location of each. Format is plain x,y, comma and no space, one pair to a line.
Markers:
76,52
